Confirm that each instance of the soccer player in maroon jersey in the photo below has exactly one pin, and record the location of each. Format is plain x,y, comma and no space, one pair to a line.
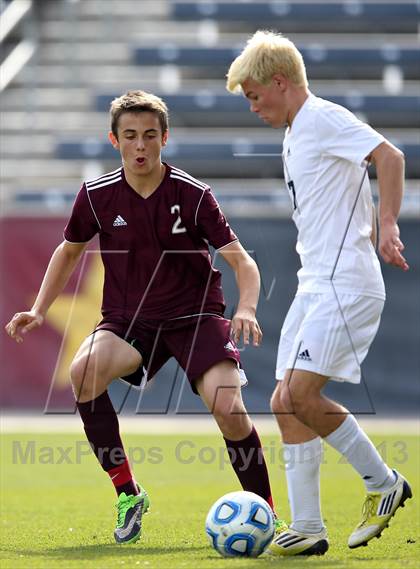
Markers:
162,298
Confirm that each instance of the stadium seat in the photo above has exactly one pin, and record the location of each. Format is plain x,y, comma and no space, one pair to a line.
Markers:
306,16
239,158
207,108
322,62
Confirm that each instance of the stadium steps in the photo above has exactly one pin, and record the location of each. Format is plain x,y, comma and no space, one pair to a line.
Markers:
80,122
233,158
322,61
86,75
228,154
199,116
54,99
59,30
85,98
203,108
182,34
117,11
44,98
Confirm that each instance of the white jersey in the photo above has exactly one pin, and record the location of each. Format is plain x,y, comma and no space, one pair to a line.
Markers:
324,163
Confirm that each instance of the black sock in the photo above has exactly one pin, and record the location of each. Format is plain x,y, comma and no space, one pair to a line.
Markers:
103,433
247,459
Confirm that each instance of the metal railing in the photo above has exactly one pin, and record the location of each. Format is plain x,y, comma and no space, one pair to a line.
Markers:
13,14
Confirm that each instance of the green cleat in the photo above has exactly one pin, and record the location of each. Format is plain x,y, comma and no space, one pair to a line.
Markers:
378,509
281,525
130,512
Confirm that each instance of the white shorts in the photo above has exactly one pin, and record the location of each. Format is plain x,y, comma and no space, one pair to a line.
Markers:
328,334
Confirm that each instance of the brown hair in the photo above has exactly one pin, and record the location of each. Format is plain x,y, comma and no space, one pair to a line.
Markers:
138,102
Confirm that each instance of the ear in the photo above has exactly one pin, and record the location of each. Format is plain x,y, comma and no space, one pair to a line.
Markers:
165,138
280,80
113,140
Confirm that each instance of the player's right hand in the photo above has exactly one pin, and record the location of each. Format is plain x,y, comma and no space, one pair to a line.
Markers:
23,322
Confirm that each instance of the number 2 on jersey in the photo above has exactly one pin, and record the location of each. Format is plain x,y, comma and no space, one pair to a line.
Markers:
177,227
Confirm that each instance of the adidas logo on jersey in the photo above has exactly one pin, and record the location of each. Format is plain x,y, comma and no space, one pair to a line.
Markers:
304,356
119,221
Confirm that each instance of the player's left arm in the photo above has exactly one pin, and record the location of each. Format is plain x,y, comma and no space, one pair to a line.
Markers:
248,280
389,162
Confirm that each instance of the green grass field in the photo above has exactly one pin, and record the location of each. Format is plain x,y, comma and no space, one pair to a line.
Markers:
56,514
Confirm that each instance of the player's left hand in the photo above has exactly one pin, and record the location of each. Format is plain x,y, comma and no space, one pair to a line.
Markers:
244,322
391,246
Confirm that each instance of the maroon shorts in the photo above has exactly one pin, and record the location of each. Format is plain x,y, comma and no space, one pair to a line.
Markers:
197,343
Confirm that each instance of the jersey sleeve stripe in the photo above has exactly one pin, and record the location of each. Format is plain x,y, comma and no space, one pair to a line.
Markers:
202,188
198,207
189,177
230,243
74,242
94,213
105,183
104,176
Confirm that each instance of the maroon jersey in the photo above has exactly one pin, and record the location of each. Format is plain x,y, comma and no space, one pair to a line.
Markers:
155,250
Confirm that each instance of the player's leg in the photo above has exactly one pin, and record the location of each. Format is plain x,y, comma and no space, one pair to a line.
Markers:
332,342
322,343
102,357
210,359
386,489
302,451
220,390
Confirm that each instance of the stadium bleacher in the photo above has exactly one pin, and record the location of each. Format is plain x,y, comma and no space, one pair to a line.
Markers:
363,55
398,17
208,108
223,159
322,62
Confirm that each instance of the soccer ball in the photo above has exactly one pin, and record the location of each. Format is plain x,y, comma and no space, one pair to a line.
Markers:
240,524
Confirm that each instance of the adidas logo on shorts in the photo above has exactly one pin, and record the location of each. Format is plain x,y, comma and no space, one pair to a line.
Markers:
304,356
230,347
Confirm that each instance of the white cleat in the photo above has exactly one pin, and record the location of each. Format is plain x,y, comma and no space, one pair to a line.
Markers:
291,542
378,509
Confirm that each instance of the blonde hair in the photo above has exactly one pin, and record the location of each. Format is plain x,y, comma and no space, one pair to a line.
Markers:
265,54
138,102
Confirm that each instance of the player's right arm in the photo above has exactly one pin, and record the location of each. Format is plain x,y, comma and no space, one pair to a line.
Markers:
81,227
60,268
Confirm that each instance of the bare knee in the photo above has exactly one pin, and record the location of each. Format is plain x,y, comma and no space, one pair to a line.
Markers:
281,406
232,419
87,379
276,401
297,399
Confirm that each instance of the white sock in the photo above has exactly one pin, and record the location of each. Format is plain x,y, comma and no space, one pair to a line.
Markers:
354,444
303,463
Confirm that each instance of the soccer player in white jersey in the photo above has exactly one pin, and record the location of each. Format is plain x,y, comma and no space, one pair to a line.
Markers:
336,312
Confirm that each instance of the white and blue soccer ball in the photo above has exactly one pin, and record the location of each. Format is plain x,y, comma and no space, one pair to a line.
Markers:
240,524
